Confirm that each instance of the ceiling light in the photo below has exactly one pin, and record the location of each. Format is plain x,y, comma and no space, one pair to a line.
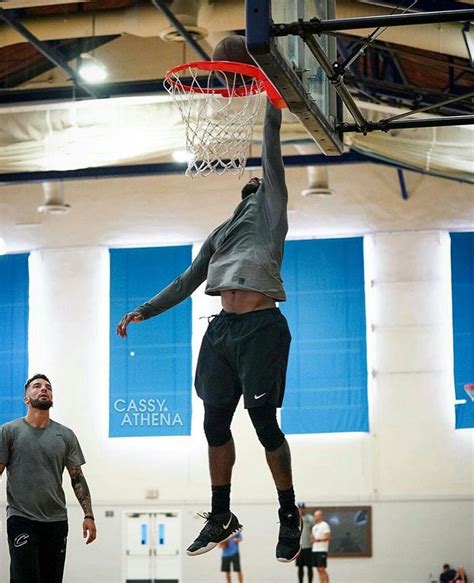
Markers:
92,70
318,182
54,199
182,156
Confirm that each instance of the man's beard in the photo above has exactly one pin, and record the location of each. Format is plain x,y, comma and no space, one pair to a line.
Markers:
43,404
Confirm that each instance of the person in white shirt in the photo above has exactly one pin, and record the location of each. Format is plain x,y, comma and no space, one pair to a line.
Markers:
320,535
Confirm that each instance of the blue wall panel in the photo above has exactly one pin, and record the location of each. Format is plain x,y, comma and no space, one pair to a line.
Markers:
327,373
150,371
462,274
13,334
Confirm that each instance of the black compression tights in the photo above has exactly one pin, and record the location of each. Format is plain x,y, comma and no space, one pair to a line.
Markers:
217,423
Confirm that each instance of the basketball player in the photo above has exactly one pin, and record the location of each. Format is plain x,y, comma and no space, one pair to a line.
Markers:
35,450
245,349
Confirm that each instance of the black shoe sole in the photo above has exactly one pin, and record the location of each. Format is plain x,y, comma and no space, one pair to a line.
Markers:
212,545
281,560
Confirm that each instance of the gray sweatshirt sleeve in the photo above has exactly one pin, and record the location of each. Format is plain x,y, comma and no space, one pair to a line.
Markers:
274,186
182,287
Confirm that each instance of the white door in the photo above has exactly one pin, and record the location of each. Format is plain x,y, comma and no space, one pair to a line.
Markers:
152,542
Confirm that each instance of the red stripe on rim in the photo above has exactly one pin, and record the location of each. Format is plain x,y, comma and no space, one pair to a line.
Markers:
228,67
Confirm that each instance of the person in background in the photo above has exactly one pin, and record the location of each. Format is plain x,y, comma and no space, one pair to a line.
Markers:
461,576
448,574
35,450
321,535
231,558
305,559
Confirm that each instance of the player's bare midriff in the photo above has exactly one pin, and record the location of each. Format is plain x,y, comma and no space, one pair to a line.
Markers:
240,301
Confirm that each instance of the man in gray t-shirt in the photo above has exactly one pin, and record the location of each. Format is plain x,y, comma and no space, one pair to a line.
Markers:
245,349
35,450
306,558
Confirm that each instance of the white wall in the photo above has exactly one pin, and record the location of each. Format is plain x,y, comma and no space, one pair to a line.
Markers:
414,468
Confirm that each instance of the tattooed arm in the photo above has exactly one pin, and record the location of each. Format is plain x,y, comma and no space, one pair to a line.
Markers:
81,490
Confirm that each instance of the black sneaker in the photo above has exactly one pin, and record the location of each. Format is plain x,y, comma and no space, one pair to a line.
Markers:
288,547
218,528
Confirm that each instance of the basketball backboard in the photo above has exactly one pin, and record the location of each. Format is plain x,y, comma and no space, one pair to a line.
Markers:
291,66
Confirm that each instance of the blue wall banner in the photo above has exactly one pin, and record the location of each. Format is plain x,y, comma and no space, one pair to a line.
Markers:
150,371
14,334
462,278
327,371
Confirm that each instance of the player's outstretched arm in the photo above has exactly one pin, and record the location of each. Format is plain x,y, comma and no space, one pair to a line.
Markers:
273,170
81,490
177,291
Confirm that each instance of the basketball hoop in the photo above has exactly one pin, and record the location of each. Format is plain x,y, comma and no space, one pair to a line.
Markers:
219,121
469,388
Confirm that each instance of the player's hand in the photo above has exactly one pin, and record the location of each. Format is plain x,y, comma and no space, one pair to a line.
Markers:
89,531
125,321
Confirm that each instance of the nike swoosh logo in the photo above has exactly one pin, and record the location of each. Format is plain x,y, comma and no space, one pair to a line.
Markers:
226,526
259,396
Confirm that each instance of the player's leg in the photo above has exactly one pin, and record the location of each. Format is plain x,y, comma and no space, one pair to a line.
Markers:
225,568
221,523
53,542
263,347
278,457
218,387
221,452
305,560
237,568
300,567
24,550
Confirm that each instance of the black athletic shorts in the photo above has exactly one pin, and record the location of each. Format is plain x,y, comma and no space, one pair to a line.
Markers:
320,559
231,563
244,354
305,558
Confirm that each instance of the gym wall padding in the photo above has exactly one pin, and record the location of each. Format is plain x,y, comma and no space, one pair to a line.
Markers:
14,334
462,280
327,373
150,371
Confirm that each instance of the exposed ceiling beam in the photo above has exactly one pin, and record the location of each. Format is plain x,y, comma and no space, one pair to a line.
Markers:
43,48
17,4
70,49
421,5
134,170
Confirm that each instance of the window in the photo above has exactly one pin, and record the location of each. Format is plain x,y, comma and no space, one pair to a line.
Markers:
14,336
150,371
327,372
462,274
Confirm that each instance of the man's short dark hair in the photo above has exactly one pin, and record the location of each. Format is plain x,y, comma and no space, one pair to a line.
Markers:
446,566
36,376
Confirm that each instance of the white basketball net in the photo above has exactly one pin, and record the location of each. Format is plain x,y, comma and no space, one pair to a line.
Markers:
218,129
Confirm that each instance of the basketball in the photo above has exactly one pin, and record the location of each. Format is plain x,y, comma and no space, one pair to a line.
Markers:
232,48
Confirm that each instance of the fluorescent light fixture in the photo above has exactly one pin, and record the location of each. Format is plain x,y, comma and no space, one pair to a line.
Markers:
182,156
92,70
3,246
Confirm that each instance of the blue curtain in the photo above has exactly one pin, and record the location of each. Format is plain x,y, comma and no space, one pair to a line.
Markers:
462,277
327,372
150,371
13,334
